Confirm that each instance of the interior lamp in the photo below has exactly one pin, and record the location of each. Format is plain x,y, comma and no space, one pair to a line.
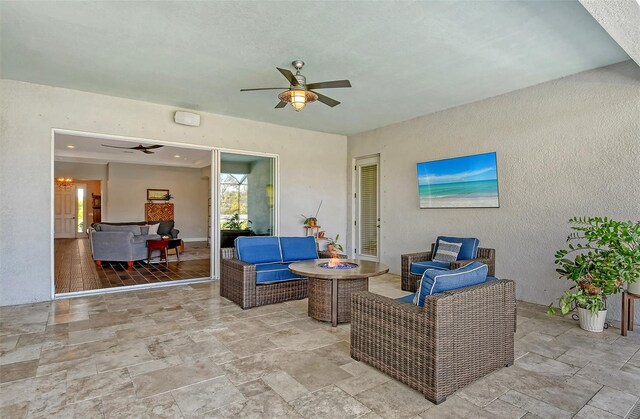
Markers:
298,98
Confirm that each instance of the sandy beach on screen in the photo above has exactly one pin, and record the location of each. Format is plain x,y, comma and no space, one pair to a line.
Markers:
448,202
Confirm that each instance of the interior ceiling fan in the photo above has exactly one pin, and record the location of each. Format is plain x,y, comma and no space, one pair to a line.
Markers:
144,148
299,92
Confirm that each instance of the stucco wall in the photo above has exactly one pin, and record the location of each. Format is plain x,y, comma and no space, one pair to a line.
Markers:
28,112
567,147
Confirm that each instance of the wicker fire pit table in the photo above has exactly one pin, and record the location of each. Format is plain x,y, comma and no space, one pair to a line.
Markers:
331,282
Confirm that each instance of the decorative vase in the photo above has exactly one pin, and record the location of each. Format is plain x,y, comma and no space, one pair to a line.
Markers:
590,321
634,288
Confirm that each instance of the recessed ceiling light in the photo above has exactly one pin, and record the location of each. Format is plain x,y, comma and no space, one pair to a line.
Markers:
177,156
71,146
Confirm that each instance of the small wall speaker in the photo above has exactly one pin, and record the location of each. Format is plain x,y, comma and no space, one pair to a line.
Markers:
187,118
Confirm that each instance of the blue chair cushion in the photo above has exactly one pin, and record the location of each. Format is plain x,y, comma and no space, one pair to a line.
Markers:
406,298
435,280
274,272
298,248
468,250
418,268
260,249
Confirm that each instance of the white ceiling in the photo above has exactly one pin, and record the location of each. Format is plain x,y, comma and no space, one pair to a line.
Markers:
90,150
404,59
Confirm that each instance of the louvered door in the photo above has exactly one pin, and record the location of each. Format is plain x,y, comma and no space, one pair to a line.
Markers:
367,223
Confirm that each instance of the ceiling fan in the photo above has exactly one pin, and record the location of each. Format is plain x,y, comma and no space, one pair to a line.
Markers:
299,92
144,148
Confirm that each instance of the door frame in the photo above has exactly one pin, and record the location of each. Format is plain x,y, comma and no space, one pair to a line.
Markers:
356,206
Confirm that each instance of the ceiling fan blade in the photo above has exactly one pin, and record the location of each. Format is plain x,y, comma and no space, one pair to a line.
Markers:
289,76
147,152
114,146
327,100
264,88
281,104
151,147
329,84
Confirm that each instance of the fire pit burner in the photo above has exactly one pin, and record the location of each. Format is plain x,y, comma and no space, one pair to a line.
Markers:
338,265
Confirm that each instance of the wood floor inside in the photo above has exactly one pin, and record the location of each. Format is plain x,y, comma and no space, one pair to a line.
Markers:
75,269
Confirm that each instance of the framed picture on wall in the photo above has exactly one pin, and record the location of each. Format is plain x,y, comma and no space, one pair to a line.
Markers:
157,194
460,182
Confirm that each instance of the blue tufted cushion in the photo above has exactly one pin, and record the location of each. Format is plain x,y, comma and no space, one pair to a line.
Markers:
435,281
406,298
274,272
260,249
468,250
298,248
418,268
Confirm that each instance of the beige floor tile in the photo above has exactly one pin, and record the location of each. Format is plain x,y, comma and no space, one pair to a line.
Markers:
161,406
306,341
286,387
18,370
312,371
591,412
364,378
394,400
499,409
329,402
174,377
613,401
89,409
263,405
98,385
537,407
198,399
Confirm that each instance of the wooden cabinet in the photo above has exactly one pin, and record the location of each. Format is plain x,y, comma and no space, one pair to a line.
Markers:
96,206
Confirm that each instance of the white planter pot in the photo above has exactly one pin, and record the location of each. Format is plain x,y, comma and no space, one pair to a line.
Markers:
634,288
592,322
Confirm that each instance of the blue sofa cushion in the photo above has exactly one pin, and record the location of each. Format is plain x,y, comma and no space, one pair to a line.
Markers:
468,250
406,298
435,281
258,249
274,272
418,268
298,248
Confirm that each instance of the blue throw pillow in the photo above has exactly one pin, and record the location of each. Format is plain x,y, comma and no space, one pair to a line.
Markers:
469,249
435,281
258,249
298,248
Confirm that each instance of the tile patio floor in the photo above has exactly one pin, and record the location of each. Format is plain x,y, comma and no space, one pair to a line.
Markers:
186,352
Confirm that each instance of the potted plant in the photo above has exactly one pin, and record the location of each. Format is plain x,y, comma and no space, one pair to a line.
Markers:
312,221
333,245
234,223
607,254
167,197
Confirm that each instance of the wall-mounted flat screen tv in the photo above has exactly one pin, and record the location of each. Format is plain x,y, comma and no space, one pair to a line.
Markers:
460,182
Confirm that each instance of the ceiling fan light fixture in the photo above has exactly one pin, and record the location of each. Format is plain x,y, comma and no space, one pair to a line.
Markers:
298,98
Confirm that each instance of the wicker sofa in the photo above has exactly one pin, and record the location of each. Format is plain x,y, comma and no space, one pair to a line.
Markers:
411,280
456,338
240,282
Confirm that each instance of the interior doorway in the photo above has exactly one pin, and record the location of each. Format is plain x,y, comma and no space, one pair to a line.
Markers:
162,194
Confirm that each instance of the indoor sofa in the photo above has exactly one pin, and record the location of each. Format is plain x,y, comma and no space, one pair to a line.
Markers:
256,272
125,242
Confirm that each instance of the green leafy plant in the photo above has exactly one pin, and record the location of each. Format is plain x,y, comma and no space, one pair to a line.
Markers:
308,221
607,254
167,196
234,223
334,243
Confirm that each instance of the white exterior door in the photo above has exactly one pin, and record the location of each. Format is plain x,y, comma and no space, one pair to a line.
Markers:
65,212
367,204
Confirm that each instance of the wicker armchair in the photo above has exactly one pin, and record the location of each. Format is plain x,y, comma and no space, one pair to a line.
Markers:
238,284
410,281
456,338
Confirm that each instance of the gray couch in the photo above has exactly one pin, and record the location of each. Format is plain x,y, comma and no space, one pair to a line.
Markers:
124,242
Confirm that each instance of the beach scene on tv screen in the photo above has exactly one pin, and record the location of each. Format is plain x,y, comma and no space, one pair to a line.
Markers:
470,181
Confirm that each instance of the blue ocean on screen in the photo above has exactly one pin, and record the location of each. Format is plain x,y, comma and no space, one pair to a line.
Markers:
478,188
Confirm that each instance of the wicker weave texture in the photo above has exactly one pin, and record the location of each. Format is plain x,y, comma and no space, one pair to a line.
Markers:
409,281
238,284
456,338
320,297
